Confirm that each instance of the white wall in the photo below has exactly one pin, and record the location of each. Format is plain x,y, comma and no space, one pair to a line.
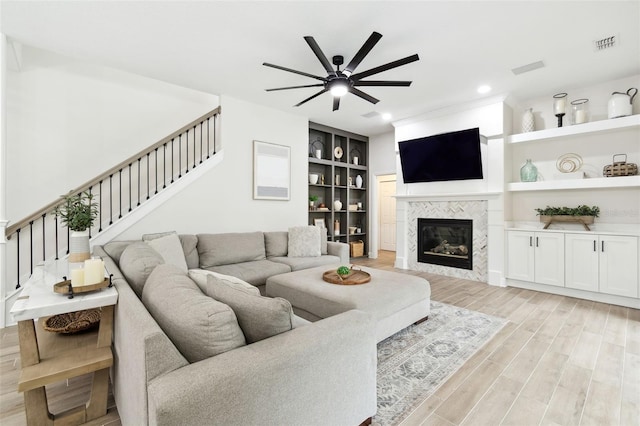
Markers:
382,161
69,121
222,200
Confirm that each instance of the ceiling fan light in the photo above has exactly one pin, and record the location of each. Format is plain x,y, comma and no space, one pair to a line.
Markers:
339,89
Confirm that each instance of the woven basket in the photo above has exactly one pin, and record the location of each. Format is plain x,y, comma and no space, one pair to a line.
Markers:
357,248
620,168
73,322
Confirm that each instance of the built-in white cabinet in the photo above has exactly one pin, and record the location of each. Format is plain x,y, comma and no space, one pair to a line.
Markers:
536,257
598,263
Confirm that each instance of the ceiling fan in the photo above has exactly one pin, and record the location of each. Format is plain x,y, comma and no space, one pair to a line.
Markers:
340,82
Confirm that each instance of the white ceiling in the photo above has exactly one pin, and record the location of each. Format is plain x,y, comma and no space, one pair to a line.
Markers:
219,47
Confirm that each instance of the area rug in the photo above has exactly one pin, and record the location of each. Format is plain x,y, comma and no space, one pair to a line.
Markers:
414,362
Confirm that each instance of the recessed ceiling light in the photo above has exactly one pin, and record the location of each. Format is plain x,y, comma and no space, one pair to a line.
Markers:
484,89
386,116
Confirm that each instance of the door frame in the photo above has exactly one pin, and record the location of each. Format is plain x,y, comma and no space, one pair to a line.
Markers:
374,207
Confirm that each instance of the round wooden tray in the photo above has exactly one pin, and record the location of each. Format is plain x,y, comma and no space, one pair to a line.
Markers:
63,287
355,277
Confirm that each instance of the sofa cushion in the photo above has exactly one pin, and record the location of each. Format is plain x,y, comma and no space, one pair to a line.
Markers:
115,248
190,246
297,263
255,273
324,241
198,325
199,276
259,317
225,249
137,262
304,241
169,246
276,243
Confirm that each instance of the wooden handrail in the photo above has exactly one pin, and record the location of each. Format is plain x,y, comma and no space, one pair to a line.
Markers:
84,187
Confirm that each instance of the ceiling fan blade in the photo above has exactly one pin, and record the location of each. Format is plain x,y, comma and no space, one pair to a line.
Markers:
364,50
363,95
323,59
336,103
382,83
311,97
278,67
295,87
385,67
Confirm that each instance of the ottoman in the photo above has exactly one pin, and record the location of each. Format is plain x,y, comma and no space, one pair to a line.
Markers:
395,300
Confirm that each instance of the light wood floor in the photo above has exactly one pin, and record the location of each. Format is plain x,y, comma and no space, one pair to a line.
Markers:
558,361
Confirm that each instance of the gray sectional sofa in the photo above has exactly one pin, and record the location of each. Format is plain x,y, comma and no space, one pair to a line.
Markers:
321,373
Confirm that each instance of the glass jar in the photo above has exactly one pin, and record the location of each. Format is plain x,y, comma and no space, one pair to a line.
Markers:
529,172
580,111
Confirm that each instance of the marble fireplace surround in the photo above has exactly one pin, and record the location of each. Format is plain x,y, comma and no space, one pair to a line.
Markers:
484,209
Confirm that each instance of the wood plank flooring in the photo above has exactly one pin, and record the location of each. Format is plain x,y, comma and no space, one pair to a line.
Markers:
558,361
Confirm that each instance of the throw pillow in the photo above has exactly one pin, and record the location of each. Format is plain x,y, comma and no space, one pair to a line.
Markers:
137,262
276,243
169,247
259,317
304,241
198,325
199,276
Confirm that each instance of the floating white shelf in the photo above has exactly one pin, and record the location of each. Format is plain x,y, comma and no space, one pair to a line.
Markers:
553,185
578,129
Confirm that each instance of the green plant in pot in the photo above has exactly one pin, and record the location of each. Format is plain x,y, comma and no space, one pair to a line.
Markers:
582,214
312,201
78,212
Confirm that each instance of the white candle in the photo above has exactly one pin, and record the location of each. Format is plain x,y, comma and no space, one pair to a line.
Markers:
581,116
560,105
77,277
318,154
93,271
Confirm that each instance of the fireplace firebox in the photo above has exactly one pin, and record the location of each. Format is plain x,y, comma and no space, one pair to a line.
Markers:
447,242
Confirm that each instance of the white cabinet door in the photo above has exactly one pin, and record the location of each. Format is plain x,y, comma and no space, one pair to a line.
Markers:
549,258
581,266
619,265
520,255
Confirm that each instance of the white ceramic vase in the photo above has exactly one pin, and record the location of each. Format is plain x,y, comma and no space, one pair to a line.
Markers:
528,122
358,181
79,246
337,205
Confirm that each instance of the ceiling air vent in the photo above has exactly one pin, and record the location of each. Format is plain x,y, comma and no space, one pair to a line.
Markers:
605,43
371,114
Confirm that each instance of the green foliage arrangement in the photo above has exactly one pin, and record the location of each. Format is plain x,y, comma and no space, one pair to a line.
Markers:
313,198
343,270
78,211
569,211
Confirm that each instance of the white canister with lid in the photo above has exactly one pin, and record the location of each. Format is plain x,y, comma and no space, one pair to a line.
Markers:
621,104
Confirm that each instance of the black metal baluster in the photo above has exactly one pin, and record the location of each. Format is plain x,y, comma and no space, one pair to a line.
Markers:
172,172
148,175
129,186
208,149
44,238
18,256
201,142
68,239
111,199
139,180
120,194
164,166
156,170
186,151
90,201
99,207
194,147
180,156
31,245
56,226
215,120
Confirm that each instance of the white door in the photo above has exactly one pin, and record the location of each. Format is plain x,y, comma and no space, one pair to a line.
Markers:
520,255
581,254
619,265
387,232
549,258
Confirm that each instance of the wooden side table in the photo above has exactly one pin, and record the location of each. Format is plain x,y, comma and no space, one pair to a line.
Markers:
48,357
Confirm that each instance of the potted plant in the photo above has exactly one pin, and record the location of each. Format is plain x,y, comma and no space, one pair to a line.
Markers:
312,200
78,212
581,214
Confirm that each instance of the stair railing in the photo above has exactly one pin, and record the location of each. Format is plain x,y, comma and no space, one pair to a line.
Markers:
116,192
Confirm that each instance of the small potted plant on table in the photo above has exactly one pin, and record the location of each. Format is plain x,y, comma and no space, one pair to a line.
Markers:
78,212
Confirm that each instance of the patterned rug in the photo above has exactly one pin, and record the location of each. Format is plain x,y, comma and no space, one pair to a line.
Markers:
414,362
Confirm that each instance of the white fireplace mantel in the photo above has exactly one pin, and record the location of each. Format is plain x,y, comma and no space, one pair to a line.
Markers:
456,196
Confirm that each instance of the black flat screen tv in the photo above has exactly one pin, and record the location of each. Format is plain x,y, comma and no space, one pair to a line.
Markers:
449,156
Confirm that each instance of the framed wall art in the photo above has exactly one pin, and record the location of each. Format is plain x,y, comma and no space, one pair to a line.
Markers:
271,171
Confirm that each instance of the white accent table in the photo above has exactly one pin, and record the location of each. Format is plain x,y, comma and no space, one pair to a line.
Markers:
48,357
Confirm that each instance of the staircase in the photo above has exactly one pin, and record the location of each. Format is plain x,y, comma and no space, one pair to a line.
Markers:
123,195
